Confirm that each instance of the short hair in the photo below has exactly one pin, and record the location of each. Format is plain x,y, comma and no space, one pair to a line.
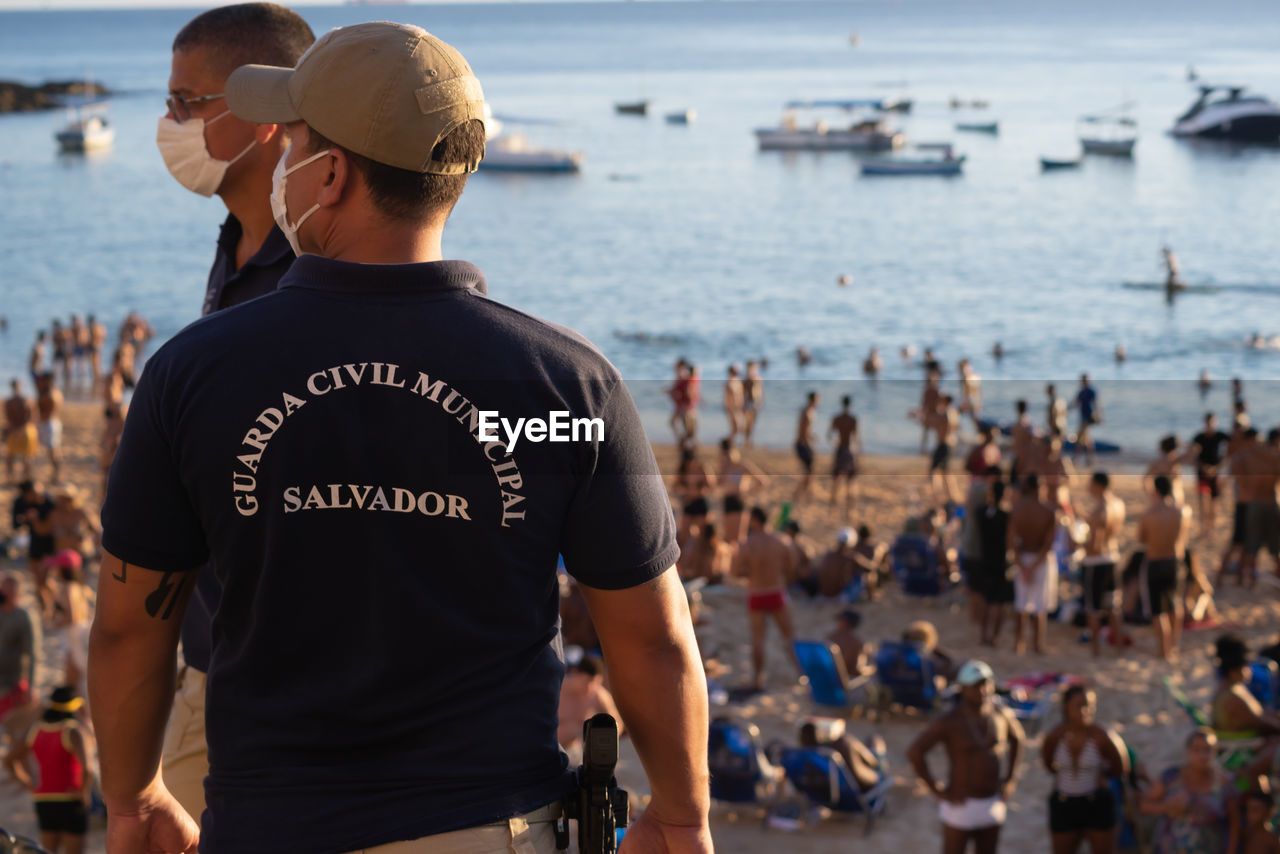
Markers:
1210,737
792,526
1209,416
1231,652
1021,406
589,665
403,194
850,616
245,34
1164,486
758,514
1072,692
813,395
808,734
1102,479
1251,433
1030,484
864,533
1169,443
726,444
846,401
1273,434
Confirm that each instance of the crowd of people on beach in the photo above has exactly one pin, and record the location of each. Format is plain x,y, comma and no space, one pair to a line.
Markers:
55,535
1012,532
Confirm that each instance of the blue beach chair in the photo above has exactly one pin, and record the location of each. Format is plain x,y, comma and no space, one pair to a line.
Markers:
1264,683
905,676
739,768
821,776
915,564
829,682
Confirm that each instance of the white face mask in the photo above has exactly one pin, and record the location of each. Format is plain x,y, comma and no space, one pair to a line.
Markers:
278,208
182,146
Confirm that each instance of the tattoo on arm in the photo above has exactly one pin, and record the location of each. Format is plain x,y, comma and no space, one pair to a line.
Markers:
123,569
166,595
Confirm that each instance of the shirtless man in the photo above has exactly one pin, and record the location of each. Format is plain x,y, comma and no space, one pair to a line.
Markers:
765,560
78,334
1032,525
19,431
837,568
1162,534
930,399
582,696
1055,472
845,428
947,427
846,638
97,341
752,401
805,440
1262,519
977,735
35,362
733,400
872,364
737,478
1022,437
863,765
49,423
1173,272
1102,554
1169,463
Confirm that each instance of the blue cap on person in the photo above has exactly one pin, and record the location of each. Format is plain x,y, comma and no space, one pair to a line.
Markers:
975,672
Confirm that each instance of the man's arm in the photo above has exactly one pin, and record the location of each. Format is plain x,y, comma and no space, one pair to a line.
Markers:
132,669
656,677
936,732
1016,739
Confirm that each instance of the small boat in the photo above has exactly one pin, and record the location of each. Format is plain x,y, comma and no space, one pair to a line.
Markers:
948,165
1235,117
86,130
1112,132
512,153
1050,164
884,105
869,134
933,146
979,127
635,108
682,117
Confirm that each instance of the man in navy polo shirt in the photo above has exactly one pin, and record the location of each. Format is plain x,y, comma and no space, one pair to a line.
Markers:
385,664
209,150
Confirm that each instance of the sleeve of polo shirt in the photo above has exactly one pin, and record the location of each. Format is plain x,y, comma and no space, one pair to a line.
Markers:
620,532
148,518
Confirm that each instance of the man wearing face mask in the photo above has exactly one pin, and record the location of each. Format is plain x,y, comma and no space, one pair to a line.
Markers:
209,150
323,450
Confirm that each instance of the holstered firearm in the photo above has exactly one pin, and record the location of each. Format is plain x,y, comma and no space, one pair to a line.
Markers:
599,806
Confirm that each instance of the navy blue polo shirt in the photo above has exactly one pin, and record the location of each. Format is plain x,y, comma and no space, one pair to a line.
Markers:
385,661
229,286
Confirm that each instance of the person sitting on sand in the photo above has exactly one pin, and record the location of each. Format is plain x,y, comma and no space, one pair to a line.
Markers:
802,575
923,635
765,560
980,737
871,559
852,648
864,767
1081,757
582,696
1235,710
837,568
705,555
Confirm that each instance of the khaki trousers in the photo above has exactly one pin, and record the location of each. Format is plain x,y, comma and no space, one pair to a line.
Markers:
532,833
185,763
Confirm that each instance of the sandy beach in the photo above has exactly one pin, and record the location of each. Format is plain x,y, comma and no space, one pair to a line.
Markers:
1130,695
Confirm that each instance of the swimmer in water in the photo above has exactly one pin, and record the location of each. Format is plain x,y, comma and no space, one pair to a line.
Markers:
871,366
1173,271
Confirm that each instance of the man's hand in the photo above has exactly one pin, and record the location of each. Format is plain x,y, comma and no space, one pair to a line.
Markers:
1006,791
157,825
650,835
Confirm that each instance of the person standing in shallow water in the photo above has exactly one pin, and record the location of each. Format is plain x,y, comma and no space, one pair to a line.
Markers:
983,742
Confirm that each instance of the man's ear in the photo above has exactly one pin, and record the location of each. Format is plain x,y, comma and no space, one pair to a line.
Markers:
335,186
266,133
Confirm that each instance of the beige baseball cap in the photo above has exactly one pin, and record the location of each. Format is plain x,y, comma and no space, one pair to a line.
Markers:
386,91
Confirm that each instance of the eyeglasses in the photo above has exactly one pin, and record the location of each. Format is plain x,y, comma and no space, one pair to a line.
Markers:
181,107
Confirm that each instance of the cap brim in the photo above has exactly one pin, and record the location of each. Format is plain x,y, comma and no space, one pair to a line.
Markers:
260,94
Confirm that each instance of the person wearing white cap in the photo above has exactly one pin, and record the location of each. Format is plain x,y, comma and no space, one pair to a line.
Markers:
980,737
323,449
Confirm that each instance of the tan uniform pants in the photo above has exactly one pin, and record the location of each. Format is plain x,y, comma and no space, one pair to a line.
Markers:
532,833
185,763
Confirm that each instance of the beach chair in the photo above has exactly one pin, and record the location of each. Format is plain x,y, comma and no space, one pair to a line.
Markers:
905,677
820,775
1264,683
829,682
739,769
14,844
915,564
1030,697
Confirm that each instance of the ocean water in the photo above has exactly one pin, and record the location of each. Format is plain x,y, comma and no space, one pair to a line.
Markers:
686,241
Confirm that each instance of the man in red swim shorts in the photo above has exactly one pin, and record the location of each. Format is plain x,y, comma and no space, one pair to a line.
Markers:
766,562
